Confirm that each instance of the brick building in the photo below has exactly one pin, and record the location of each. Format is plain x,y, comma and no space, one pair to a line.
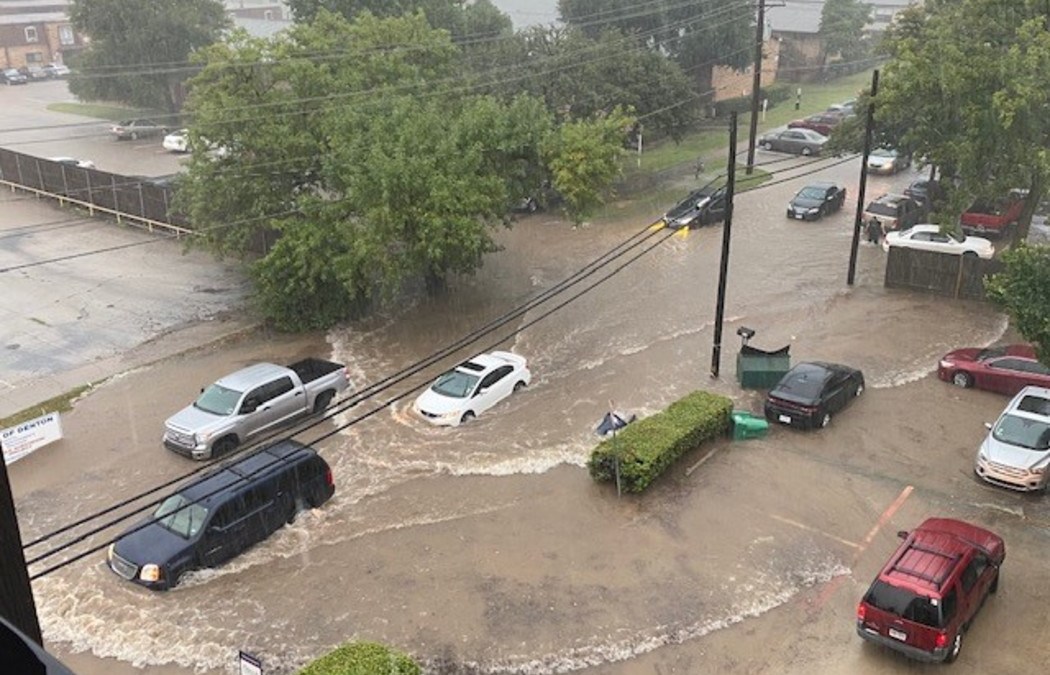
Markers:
36,32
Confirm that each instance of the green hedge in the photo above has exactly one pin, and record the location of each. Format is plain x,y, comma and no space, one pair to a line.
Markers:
362,658
647,447
775,93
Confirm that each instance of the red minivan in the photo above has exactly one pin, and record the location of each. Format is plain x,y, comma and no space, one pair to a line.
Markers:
929,592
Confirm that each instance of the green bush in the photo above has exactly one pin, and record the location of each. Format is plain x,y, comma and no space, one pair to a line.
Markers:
646,448
775,93
362,658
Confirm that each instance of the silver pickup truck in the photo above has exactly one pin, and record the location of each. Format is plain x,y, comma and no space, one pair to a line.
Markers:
251,401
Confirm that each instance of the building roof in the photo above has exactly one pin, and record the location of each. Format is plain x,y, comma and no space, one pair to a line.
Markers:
261,28
35,17
795,17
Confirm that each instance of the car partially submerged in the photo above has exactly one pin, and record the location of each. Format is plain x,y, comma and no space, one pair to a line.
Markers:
472,387
700,207
932,238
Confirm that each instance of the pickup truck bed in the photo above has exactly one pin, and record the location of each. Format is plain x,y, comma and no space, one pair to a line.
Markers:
310,369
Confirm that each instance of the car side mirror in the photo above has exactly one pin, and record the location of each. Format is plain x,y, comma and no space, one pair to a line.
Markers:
988,426
903,534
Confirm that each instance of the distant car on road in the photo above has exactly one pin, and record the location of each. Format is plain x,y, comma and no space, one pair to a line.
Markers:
1016,452
822,123
12,76
931,238
177,141
73,161
700,207
894,212
473,387
34,72
848,107
887,161
816,200
56,70
811,392
928,193
1006,370
138,128
797,141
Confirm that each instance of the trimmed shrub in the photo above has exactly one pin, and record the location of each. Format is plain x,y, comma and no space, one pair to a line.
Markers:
362,658
647,447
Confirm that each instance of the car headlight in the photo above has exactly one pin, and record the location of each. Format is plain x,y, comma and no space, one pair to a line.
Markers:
203,437
813,210
1038,471
981,457
449,415
945,364
150,572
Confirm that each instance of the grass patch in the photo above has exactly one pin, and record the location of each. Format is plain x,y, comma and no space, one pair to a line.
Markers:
61,403
106,112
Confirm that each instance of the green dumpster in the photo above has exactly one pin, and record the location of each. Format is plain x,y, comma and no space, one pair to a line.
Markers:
746,425
759,369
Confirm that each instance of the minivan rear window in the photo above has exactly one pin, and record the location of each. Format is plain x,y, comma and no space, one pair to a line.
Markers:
904,603
882,209
186,522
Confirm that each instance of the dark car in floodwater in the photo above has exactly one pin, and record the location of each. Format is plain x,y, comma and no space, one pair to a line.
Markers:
816,200
700,207
811,392
222,514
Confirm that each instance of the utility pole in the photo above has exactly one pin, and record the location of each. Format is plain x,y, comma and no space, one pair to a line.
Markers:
16,595
756,85
858,221
723,272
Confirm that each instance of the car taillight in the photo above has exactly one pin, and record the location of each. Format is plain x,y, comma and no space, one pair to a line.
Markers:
328,477
942,640
861,611
346,374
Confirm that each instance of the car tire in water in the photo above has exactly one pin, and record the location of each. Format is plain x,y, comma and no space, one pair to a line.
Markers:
519,385
322,401
953,651
806,151
224,445
134,136
969,254
961,379
766,145
467,416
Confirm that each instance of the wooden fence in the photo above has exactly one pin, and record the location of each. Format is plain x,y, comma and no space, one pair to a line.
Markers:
952,275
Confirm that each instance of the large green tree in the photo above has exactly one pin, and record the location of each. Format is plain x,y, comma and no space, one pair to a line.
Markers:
467,20
1022,290
139,48
968,91
372,167
698,35
842,25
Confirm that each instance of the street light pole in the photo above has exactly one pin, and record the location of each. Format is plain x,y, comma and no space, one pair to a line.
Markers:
756,86
857,223
723,272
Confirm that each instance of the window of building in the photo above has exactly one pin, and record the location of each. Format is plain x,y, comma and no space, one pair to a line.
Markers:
65,35
35,57
31,35
268,15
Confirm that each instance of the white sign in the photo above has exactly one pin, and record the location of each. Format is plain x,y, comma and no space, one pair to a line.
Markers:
250,665
22,439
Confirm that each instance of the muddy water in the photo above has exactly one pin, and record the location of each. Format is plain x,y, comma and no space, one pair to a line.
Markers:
486,548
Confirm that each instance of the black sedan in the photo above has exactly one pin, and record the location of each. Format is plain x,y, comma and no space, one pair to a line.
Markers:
810,393
701,207
816,200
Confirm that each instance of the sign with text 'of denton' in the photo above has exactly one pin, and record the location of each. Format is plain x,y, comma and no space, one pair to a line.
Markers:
22,439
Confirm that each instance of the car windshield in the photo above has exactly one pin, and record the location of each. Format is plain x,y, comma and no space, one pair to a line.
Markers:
991,353
688,204
882,209
218,400
455,384
185,522
812,193
904,603
883,152
1023,432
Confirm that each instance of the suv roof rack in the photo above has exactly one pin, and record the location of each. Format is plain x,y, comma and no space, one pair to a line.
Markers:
936,579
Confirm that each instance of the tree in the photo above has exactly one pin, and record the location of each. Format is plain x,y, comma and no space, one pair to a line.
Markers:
968,88
373,172
466,20
1021,289
139,49
842,25
698,35
584,159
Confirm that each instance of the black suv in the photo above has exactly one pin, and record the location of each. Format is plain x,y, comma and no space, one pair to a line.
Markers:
222,514
701,207
895,212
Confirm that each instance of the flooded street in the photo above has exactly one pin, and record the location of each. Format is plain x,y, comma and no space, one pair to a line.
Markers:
488,549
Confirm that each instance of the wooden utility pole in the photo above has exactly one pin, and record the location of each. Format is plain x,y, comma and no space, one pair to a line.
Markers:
723,272
16,595
756,86
858,220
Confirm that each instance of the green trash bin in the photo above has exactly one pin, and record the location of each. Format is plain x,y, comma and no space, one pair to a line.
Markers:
746,425
759,369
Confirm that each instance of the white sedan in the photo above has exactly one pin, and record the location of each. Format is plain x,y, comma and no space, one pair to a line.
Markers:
472,387
73,161
177,141
931,238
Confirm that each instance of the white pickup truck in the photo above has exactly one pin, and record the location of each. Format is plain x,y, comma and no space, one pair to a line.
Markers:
251,401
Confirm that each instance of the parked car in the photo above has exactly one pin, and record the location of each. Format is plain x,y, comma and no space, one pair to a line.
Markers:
894,212
472,387
34,72
12,76
1006,370
888,161
931,588
56,70
222,514
931,238
700,207
797,141
927,193
986,217
138,128
848,107
250,401
177,141
816,200
73,161
811,392
822,123
1016,452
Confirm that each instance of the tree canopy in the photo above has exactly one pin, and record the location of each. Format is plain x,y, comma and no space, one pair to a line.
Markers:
466,20
139,49
842,25
354,145
1021,289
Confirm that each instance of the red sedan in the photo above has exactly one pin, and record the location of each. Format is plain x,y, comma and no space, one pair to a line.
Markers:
1006,370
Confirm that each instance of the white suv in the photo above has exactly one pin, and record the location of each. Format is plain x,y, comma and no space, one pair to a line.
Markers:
1016,453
